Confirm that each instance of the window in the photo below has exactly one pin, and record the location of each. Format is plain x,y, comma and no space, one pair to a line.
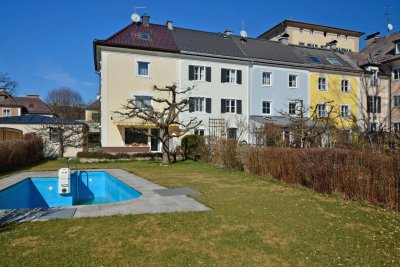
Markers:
292,108
312,45
143,101
6,112
266,107
267,78
292,81
345,111
396,75
373,126
199,132
53,134
374,78
31,105
398,48
333,61
322,110
312,31
144,36
135,136
396,100
230,106
322,84
373,104
231,76
199,73
396,127
345,86
2,98
325,33
143,68
199,104
302,44
96,116
315,60
232,133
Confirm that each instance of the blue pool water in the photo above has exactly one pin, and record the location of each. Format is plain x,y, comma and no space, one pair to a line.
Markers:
86,189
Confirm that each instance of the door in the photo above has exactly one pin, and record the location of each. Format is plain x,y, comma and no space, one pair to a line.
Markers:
154,141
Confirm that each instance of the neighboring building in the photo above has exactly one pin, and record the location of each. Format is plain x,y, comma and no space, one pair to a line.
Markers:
20,125
314,35
16,105
92,118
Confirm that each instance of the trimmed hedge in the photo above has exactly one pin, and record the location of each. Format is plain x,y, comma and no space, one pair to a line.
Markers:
108,156
20,153
192,146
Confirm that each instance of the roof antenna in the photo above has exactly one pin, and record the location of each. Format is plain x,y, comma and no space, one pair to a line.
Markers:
135,16
243,33
389,25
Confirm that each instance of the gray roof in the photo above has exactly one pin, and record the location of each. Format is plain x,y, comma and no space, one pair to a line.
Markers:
202,42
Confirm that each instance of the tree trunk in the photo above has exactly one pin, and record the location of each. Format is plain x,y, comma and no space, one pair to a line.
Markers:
165,145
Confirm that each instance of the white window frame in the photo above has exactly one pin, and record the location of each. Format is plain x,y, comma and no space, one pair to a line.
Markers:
139,96
148,68
296,80
262,107
231,105
295,108
232,76
347,114
264,81
347,87
396,75
200,73
325,111
325,84
198,106
6,112
197,131
397,48
394,101
396,126
374,104
374,77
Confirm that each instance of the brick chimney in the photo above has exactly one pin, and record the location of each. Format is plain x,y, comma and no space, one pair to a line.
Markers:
170,25
32,96
145,20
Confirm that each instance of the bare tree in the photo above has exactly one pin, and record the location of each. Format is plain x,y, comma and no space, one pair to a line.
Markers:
7,83
66,103
163,118
62,135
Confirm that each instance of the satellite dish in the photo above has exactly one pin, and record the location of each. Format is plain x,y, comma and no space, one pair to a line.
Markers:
243,33
135,18
390,26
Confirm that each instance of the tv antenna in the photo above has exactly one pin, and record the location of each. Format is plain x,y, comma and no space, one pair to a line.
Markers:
135,16
243,33
389,23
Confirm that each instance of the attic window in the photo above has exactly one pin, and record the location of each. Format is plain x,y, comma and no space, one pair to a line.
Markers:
397,48
144,36
333,61
31,105
2,98
315,60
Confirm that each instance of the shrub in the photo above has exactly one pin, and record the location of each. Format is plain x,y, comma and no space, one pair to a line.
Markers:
108,156
20,153
358,175
192,146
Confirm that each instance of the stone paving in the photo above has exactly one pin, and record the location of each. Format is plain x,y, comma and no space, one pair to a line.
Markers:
149,202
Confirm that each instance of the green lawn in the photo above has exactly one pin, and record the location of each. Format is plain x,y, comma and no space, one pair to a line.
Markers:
253,222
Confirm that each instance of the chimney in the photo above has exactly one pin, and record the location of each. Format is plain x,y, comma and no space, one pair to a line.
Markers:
170,25
145,20
228,32
331,45
372,38
32,96
284,38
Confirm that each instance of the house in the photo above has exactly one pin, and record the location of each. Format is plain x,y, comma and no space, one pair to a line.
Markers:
92,118
235,80
314,35
17,106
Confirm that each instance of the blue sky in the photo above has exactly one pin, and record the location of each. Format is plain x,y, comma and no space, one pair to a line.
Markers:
47,44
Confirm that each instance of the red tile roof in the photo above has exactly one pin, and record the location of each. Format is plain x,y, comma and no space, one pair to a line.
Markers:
130,36
33,105
8,101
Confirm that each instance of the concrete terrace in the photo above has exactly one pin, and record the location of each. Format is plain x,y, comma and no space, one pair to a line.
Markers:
154,199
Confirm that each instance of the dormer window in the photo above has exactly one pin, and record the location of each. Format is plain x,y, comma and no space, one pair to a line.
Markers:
2,98
31,105
144,36
397,48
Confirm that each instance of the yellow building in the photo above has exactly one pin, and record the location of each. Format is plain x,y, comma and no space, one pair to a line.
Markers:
335,95
313,35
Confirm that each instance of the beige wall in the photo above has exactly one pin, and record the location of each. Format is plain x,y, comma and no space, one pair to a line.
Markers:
51,147
13,111
317,37
120,82
395,65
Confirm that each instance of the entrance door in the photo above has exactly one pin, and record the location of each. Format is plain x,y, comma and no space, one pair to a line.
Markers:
154,141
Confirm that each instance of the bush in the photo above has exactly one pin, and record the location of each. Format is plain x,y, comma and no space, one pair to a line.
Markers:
20,153
359,175
108,156
192,146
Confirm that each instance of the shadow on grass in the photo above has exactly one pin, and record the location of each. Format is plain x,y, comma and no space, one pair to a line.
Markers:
24,168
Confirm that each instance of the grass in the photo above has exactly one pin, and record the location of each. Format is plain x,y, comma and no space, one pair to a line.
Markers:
253,221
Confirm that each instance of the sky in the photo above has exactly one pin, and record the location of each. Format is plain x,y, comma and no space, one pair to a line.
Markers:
46,44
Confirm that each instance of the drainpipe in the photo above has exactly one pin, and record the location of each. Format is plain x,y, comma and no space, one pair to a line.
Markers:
390,100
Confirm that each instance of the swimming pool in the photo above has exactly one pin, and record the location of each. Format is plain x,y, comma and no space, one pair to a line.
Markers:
87,188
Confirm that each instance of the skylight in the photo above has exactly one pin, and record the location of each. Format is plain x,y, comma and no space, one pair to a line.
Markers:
315,60
144,36
333,61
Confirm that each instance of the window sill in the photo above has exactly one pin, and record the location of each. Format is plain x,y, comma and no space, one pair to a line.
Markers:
143,76
263,85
